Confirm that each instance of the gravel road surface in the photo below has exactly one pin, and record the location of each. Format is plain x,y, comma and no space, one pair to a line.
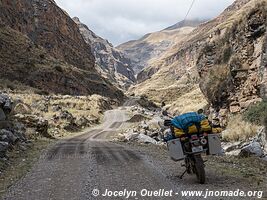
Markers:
86,166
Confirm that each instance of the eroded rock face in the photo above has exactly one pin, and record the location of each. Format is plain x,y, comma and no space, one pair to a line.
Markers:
50,27
231,64
111,61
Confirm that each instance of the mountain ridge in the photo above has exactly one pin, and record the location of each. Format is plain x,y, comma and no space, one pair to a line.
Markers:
152,45
110,62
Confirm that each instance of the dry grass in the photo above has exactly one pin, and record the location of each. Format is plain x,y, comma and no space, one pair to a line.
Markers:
238,129
189,102
80,107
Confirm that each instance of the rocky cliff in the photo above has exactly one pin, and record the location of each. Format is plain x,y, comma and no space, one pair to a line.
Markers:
232,60
144,51
111,62
41,47
225,55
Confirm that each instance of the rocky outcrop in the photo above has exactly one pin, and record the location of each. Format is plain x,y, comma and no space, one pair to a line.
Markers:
41,47
232,60
50,27
12,132
111,62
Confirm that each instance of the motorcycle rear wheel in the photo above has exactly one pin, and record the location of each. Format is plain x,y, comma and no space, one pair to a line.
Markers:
200,169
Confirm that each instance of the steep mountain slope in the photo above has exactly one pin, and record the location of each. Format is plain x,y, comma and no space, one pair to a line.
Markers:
153,45
41,47
110,62
225,55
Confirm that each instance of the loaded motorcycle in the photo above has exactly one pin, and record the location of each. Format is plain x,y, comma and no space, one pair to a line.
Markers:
190,148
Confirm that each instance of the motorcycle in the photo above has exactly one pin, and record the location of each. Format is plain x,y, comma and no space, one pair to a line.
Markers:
190,149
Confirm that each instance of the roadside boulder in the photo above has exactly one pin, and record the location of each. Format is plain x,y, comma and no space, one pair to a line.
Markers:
22,109
82,122
66,115
3,148
2,115
33,121
5,106
131,135
262,138
146,139
8,136
253,149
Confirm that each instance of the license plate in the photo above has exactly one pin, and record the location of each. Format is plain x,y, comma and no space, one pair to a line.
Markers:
197,149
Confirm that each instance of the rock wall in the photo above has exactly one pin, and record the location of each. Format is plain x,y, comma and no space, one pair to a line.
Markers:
50,27
231,64
264,70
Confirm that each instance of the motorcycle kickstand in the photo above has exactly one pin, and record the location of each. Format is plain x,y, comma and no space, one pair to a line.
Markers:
181,176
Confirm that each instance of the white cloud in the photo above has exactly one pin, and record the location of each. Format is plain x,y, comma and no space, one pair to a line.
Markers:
123,20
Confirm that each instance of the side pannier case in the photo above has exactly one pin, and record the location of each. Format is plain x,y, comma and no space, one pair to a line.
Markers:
214,143
175,149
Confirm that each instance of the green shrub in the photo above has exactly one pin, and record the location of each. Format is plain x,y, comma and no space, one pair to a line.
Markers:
257,113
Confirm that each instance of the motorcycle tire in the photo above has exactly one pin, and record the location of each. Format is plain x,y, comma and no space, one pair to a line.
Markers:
188,166
200,169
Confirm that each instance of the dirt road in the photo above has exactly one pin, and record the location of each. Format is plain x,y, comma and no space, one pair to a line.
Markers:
86,165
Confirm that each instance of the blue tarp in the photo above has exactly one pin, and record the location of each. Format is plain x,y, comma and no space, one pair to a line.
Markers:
188,119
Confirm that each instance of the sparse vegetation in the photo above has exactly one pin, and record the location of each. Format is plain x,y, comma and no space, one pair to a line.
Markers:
257,113
191,101
238,129
227,52
80,111
216,83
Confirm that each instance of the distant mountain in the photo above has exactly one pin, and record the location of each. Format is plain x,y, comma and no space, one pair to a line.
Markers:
184,23
41,47
143,51
111,62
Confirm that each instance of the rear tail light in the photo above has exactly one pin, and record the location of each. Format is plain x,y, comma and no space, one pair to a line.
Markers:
194,137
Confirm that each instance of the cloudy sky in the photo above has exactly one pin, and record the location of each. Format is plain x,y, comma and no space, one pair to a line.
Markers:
123,20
